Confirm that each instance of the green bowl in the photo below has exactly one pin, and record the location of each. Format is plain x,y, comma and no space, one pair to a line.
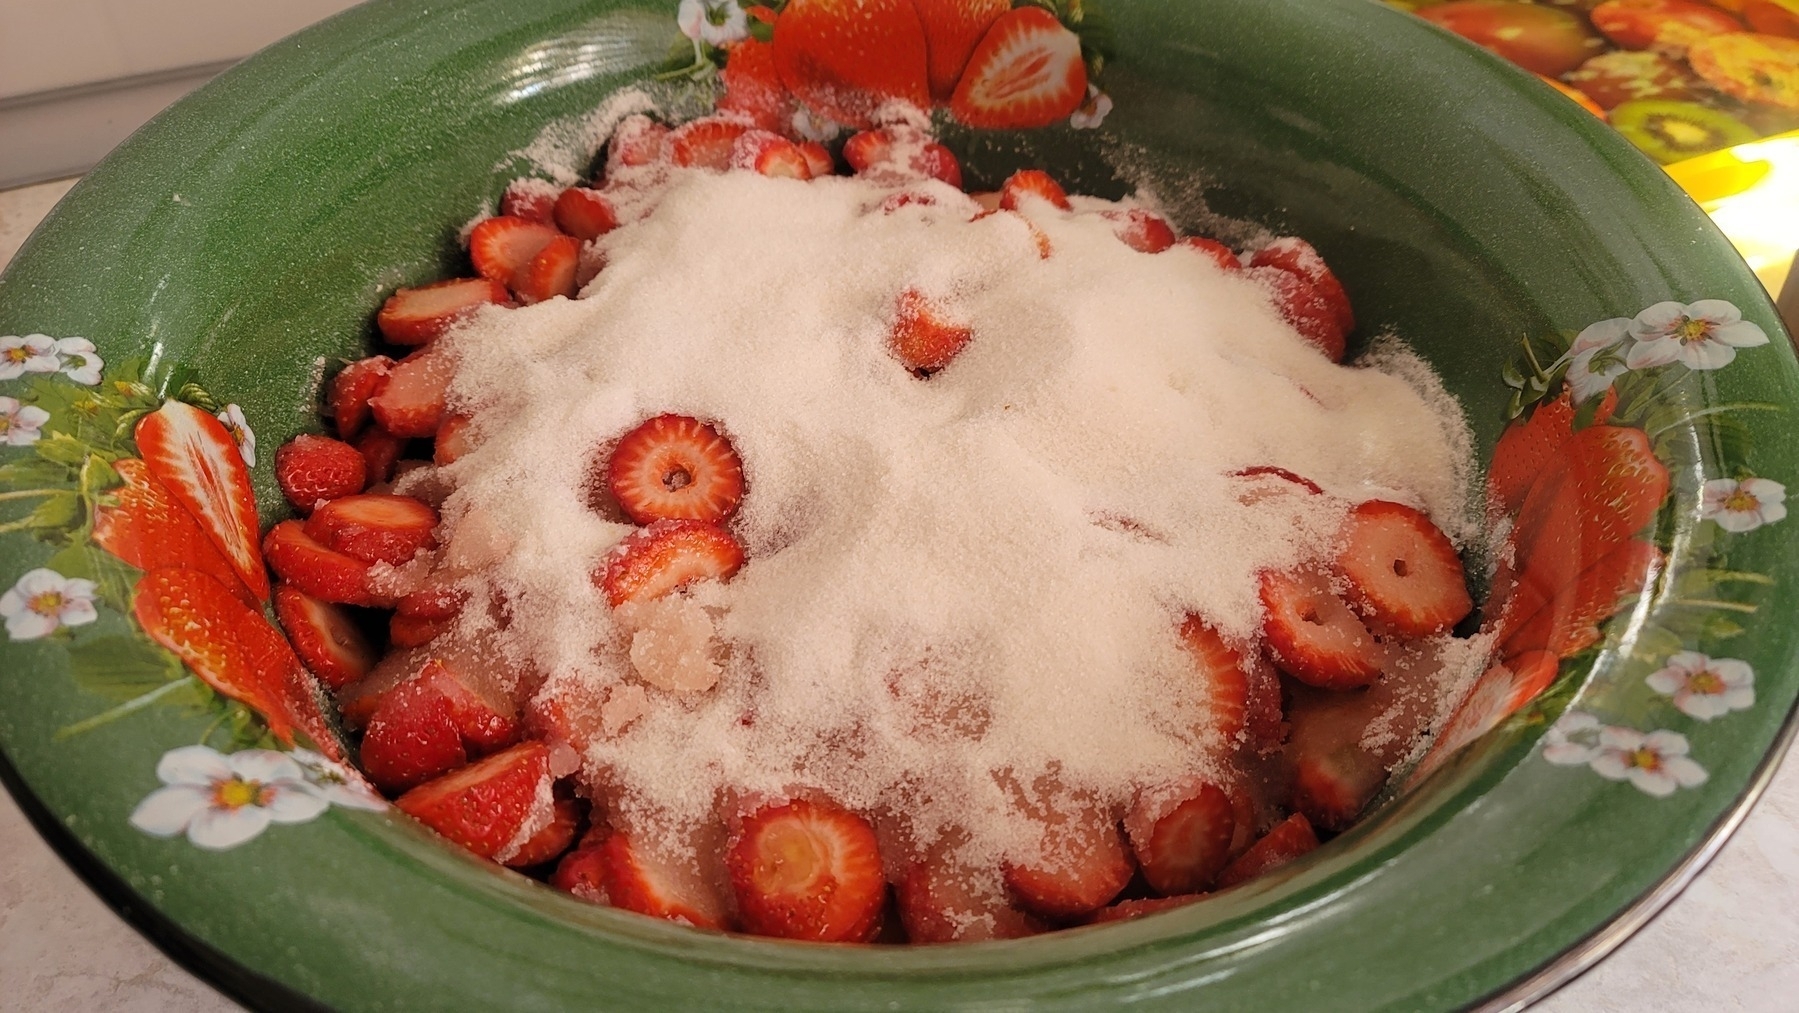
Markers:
246,236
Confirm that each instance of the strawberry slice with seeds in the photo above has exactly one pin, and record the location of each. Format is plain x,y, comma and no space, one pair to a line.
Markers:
483,806
415,631
551,273
1305,310
374,527
940,901
1223,676
581,873
1295,255
705,143
848,58
1143,231
818,159
673,467
753,88
585,214
412,403
411,738
636,875
144,526
952,30
1526,448
1332,788
315,569
381,451
1025,184
502,246
204,624
1290,839
1081,866
1026,72
351,390
807,870
637,141
921,337
1402,570
1313,634
452,440
1219,253
311,469
480,707
416,316
783,160
531,199
549,843
899,153
328,642
1131,910
1181,835
194,457
666,555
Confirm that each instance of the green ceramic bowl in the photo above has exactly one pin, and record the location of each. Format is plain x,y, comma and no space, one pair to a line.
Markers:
246,236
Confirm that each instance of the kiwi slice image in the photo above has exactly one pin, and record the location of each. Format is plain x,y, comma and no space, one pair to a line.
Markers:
1670,131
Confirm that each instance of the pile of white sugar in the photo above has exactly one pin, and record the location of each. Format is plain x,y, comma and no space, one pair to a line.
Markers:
955,586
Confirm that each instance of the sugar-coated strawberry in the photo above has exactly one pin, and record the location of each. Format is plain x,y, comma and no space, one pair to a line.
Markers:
1298,302
1527,446
502,246
584,214
845,59
1402,571
452,440
1181,835
769,154
1131,910
531,199
1219,253
1297,256
435,600
1083,864
1028,183
381,451
1263,722
636,142
416,316
807,870
1223,675
818,159
1331,788
867,148
1025,72
351,389
581,873
411,738
705,143
482,710
311,469
144,526
483,806
753,88
666,555
638,875
356,702
549,843
673,467
317,570
204,624
952,28
941,901
1290,839
194,457
1143,231
415,631
922,337
374,527
412,402
900,152
1038,237
1313,634
327,640
551,273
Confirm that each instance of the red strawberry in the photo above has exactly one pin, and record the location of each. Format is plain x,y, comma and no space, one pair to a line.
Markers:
551,273
1332,787
1603,487
452,440
380,450
784,160
144,526
1032,183
1181,835
324,636
351,390
1304,309
818,160
531,199
1289,840
502,246
943,902
436,600
637,141
1525,448
483,806
193,456
1219,253
650,880
1084,863
753,87
920,338
1297,256
297,699
415,631
581,873
1025,72
1402,570
952,28
374,527
480,707
847,58
1314,636
1567,621
652,561
416,316
316,570
204,624
704,143
807,870
902,153
585,214
1141,230
1263,721
1131,910
412,402
356,702
1223,677
675,468
411,738
313,468
549,843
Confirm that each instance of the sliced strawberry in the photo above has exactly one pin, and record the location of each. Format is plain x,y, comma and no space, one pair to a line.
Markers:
1028,183
867,148
581,873
194,457
1143,231
1038,236
940,901
483,806
1332,788
1083,864
1314,636
1526,448
416,316
551,273
673,467
1131,910
298,701
952,28
452,440
203,623
311,469
1402,570
1297,256
435,600
753,87
901,153
652,561
351,390
1181,835
381,451
1026,72
1298,302
480,707
1219,253
846,59
921,338
1289,840
659,882
637,141
503,246
531,199
327,640
704,143
1567,621
584,214
411,403
315,569
1223,676
807,870
784,160
144,526
818,159
374,527
548,844
415,631
356,702
1263,720
411,738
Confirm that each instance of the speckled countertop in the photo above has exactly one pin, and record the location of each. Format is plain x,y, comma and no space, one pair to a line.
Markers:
1730,942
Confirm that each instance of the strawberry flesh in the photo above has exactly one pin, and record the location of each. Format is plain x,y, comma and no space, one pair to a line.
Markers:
551,273
940,901
1219,253
1223,677
411,738
1304,309
673,467
317,570
325,637
1141,230
1084,863
585,214
1313,634
1029,183
351,390
1402,571
412,402
807,870
646,879
1181,835
1290,839
374,527
501,247
921,338
666,555
452,440
704,143
549,843
311,469
381,452
1297,256
416,316
483,806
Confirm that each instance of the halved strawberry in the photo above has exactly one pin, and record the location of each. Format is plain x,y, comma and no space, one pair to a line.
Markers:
531,199
437,599
1025,72
1083,864
1305,310
1314,636
1028,183
585,214
483,806
416,316
940,901
673,467
848,58
1181,834
1131,910
411,738
807,870
753,88
581,873
818,159
502,246
411,403
356,702
317,570
374,527
921,338
327,640
1290,253
1219,253
203,623
381,451
311,469
637,141
480,707
1402,570
1223,676
784,160
452,440
952,28
638,875
144,526
1290,839
551,273
351,390
652,561
415,631
194,457
1143,231
705,143
549,843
